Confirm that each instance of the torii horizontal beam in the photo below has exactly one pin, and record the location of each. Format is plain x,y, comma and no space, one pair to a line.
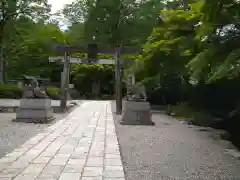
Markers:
107,50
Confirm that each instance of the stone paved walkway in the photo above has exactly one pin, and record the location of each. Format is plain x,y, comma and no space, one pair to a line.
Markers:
82,146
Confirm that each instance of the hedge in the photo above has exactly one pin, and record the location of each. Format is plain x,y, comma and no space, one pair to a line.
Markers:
10,91
53,93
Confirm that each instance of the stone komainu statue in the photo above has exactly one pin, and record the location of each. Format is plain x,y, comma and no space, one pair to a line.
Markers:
137,92
33,91
28,92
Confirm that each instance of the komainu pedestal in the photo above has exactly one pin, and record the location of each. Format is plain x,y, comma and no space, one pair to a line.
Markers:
136,113
34,111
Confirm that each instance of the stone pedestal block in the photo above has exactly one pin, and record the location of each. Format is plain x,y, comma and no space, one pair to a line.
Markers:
136,113
34,111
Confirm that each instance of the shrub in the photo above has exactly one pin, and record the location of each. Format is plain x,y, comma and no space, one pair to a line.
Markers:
10,91
74,94
169,110
203,119
107,97
183,110
53,93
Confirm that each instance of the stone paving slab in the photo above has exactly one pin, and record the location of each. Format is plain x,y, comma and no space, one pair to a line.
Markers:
81,146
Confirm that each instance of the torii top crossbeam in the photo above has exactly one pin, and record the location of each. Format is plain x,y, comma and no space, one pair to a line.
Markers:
107,50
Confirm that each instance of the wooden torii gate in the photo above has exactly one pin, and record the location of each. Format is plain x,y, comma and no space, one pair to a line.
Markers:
92,50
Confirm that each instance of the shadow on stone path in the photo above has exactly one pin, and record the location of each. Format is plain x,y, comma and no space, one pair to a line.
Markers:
173,151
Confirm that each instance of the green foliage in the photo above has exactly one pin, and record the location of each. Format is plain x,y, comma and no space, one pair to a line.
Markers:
84,75
219,37
78,11
201,42
107,97
31,44
13,11
162,64
74,93
9,91
26,36
183,111
75,34
204,119
114,22
192,56
53,93
171,44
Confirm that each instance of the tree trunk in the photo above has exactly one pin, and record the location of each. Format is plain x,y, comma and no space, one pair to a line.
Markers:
185,4
5,70
1,63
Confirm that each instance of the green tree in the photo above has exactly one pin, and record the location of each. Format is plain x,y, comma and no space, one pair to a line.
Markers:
32,43
10,10
109,22
170,47
78,11
122,21
218,36
84,75
75,34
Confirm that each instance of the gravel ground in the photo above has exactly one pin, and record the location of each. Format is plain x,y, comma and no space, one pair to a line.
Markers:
171,150
16,102
14,134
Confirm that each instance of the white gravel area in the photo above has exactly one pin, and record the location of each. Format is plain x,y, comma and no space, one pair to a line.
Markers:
14,134
16,102
171,150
